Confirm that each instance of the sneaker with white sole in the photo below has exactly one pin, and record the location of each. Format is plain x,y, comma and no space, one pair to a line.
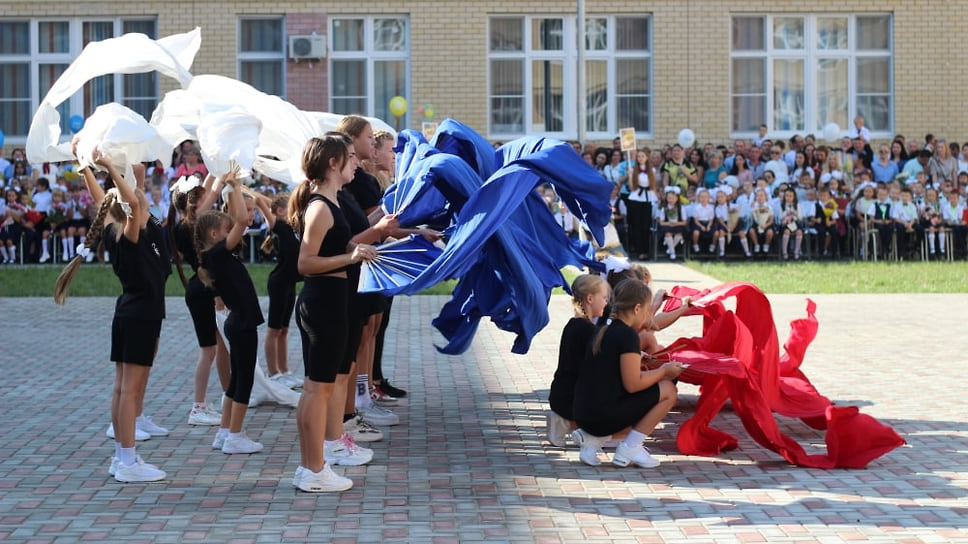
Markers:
297,477
346,452
379,416
361,430
378,396
114,465
635,455
219,440
324,481
389,389
202,416
139,435
145,423
558,427
292,381
590,447
138,472
240,444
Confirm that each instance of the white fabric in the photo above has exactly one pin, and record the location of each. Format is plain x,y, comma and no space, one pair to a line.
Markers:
228,138
127,54
123,136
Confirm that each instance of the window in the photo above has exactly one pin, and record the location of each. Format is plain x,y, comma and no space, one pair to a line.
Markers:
33,54
533,75
262,54
798,73
369,65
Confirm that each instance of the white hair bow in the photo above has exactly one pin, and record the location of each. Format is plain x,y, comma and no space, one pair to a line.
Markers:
117,197
185,184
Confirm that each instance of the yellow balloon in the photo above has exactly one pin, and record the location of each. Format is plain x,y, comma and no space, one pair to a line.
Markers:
398,106
429,112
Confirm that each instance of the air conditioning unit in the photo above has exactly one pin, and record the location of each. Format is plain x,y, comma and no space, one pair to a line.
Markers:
310,46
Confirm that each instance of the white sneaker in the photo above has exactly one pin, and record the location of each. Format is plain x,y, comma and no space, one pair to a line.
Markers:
361,430
590,451
139,435
89,258
639,456
378,396
321,482
44,257
138,472
557,427
293,381
298,476
145,424
201,416
219,440
240,444
379,416
114,466
345,452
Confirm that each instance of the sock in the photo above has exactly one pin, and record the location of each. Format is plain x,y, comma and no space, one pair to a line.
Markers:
66,245
330,443
117,450
44,245
670,244
347,417
199,406
634,439
746,245
223,432
940,242
931,243
3,252
127,456
722,245
81,240
230,435
12,250
362,391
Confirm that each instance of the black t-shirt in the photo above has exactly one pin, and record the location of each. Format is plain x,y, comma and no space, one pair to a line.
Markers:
185,244
365,189
232,282
599,385
575,337
287,249
142,268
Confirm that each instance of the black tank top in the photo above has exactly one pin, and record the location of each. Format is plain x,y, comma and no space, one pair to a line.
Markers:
338,236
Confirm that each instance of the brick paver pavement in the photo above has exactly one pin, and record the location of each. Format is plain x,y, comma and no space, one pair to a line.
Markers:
469,463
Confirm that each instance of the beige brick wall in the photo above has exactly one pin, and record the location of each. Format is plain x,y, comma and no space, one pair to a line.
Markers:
691,52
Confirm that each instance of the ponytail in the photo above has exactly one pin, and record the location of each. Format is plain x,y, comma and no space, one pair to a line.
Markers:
209,220
298,201
93,240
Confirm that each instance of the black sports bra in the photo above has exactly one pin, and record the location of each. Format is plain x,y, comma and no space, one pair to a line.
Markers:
338,236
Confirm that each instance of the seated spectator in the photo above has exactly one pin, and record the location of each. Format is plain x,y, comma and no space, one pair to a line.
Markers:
672,221
191,164
881,218
791,223
933,223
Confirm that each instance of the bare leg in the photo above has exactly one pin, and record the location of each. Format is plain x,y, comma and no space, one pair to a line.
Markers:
203,369
336,407
282,350
311,421
222,363
130,382
272,351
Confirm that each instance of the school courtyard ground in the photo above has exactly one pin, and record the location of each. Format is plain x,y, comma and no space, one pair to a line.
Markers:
469,462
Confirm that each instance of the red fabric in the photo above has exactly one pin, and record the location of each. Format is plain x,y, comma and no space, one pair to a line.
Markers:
745,366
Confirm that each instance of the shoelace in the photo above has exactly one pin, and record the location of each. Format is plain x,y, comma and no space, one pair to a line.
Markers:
364,426
350,444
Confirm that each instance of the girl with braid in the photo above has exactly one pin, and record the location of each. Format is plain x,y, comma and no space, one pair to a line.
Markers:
141,262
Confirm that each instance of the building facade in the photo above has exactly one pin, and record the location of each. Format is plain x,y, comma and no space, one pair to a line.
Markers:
511,68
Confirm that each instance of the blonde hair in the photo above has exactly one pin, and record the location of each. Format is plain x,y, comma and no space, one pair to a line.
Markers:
628,294
280,201
211,219
583,286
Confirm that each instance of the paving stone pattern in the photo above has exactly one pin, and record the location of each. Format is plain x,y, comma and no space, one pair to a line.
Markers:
469,462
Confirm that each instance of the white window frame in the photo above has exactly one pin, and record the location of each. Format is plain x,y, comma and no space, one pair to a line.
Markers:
371,56
569,57
35,59
810,55
280,55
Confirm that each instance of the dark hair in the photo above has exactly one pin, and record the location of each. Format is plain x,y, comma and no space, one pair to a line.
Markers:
352,125
316,156
185,204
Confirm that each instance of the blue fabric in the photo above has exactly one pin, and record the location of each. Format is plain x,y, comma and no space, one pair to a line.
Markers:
503,245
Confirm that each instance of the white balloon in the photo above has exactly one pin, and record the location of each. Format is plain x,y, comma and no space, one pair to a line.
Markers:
831,132
686,137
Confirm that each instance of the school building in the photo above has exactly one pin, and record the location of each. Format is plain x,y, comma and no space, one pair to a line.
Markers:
509,68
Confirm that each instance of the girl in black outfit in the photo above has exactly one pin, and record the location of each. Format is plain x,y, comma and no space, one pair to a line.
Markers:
613,392
281,286
325,252
140,260
217,235
589,295
190,197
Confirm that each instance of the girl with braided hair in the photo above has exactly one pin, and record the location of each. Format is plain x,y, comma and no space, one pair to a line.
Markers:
140,260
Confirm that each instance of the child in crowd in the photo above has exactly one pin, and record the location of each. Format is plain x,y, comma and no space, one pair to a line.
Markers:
953,213
906,216
217,235
791,222
933,223
762,218
589,296
141,262
879,215
281,287
10,227
672,221
613,392
703,219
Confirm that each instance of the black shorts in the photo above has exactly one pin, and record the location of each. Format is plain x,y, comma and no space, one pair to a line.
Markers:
363,305
201,305
321,317
282,301
621,414
134,340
